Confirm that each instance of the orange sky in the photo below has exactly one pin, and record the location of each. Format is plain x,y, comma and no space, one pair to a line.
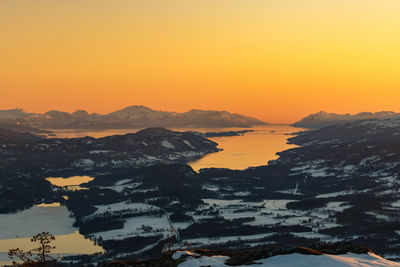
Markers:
277,60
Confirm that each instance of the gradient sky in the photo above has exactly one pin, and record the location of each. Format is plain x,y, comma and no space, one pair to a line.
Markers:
278,60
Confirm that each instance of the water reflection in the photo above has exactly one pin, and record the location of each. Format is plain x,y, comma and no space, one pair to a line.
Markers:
252,149
16,229
49,205
69,244
70,183
75,133
73,243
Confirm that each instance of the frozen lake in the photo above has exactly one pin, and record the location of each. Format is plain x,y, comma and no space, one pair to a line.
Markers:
16,230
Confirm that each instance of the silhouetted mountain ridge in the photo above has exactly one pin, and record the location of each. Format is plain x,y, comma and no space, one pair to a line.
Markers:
129,117
323,119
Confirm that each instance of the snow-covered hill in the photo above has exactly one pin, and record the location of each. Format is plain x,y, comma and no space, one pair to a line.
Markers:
325,255
323,119
146,147
292,260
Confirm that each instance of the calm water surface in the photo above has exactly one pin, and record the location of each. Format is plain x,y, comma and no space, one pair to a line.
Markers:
252,149
239,152
70,183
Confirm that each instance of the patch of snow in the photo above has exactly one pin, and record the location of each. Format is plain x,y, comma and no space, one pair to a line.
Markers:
378,216
310,235
116,207
242,193
224,239
133,227
369,160
335,194
188,144
213,261
396,204
123,181
179,254
167,144
338,206
349,168
210,187
100,151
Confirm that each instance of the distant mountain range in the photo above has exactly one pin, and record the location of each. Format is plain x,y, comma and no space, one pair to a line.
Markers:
323,119
129,117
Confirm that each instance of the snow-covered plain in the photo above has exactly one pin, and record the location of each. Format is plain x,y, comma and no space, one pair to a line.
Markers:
121,206
133,227
274,212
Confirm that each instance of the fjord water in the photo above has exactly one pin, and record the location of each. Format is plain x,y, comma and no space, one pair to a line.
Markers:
250,150
239,152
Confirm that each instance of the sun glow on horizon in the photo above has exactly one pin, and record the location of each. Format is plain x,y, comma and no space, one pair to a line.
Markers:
276,60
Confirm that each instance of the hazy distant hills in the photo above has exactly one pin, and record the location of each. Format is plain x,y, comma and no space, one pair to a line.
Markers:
323,119
129,117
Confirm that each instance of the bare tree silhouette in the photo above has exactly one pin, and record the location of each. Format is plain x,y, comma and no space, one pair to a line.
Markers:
36,257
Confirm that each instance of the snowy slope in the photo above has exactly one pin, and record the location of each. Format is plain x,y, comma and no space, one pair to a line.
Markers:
323,119
290,260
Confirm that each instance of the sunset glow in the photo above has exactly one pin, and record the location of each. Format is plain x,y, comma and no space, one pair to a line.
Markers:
277,60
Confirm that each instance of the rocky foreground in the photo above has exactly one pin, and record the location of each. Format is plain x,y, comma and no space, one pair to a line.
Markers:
327,255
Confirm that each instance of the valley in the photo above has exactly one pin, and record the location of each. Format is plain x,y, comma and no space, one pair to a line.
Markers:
339,184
